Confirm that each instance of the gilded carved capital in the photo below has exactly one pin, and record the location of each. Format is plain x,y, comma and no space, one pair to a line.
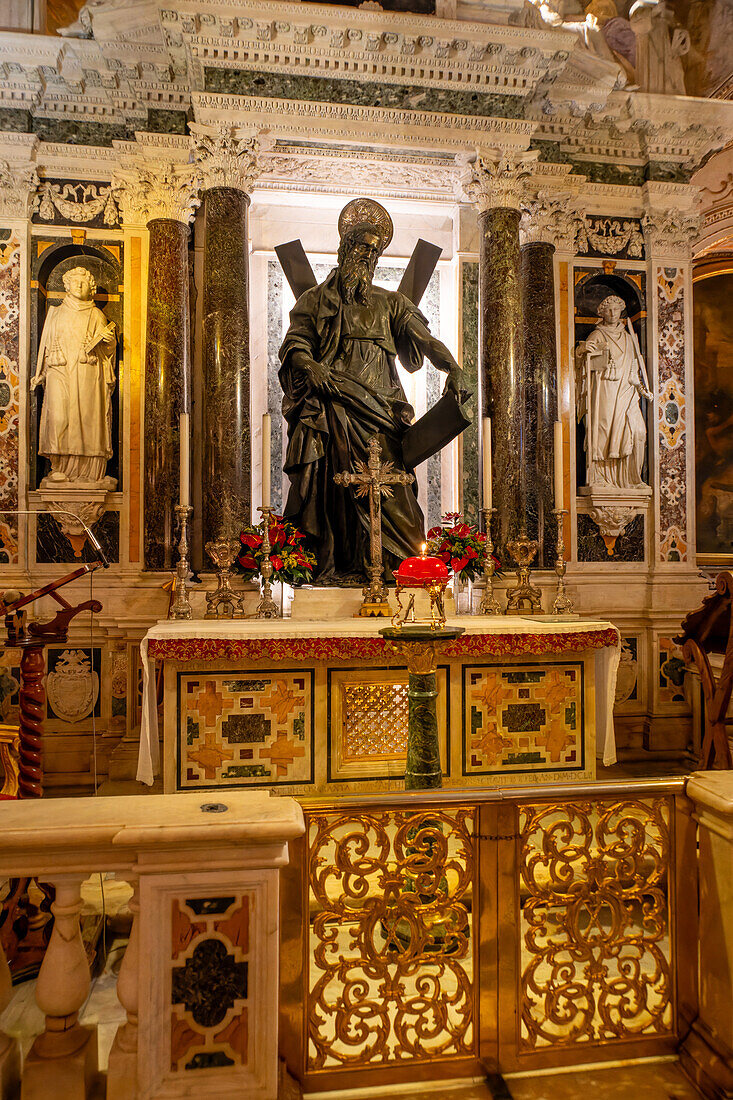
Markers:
225,156
492,178
148,191
672,232
551,217
18,185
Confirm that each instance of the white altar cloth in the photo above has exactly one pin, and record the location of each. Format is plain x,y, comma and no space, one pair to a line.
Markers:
209,631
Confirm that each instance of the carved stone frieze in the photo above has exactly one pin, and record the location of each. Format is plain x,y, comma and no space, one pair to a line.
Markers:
18,185
554,218
492,178
672,232
148,191
227,158
76,202
610,237
333,171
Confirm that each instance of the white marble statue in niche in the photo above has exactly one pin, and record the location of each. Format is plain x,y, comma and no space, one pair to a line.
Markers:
611,380
660,45
76,367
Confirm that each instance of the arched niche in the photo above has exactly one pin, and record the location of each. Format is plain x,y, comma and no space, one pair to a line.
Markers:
52,262
590,290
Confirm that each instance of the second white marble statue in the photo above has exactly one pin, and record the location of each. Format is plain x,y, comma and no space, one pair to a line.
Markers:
76,367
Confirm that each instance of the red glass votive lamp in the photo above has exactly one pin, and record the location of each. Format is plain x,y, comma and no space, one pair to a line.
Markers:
422,572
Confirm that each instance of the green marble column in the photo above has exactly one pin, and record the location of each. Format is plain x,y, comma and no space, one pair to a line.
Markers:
500,367
167,386
225,358
423,769
540,384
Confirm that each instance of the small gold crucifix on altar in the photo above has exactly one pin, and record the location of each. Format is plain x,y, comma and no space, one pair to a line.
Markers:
375,479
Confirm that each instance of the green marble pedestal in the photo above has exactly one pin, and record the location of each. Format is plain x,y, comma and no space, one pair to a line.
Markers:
420,645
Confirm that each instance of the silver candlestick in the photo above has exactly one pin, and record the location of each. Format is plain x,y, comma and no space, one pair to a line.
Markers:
266,608
181,607
563,605
489,603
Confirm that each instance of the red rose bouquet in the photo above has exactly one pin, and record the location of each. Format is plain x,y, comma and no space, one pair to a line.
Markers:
460,545
291,562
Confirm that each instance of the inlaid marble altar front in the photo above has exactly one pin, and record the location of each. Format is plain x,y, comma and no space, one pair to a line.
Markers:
310,708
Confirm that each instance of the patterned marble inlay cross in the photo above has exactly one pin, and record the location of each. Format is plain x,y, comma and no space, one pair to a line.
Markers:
417,275
375,479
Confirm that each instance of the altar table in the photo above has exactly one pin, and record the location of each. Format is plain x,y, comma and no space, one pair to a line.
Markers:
321,707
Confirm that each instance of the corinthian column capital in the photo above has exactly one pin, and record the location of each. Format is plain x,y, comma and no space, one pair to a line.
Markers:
18,185
149,190
495,178
227,156
671,232
552,218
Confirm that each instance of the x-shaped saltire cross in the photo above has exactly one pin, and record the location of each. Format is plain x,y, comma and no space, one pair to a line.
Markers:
299,273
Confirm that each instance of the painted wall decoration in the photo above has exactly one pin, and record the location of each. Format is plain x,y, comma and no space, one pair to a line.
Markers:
672,415
713,340
9,393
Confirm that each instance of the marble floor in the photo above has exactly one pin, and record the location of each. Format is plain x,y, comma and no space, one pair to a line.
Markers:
650,1080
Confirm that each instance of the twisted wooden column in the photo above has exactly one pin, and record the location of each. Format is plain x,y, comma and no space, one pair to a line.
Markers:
32,705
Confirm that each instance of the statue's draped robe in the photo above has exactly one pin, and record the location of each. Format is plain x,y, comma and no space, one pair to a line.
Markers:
618,427
77,368
329,433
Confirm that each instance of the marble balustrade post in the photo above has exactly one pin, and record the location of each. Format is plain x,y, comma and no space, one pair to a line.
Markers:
63,1060
546,220
165,196
9,1049
123,1056
496,186
228,164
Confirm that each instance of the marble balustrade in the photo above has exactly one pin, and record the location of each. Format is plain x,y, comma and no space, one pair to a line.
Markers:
199,978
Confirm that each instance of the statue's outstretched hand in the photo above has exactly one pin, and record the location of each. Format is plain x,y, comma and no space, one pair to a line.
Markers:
453,382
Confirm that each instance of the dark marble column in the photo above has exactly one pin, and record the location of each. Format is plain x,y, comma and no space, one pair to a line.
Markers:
167,386
540,386
225,358
500,366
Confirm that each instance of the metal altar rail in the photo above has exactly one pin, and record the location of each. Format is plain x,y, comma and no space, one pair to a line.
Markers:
444,934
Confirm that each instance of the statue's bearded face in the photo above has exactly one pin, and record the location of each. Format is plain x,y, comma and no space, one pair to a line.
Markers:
357,263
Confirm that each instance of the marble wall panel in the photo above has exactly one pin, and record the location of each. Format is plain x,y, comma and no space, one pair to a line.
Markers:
670,675
629,546
255,729
469,362
52,545
628,685
522,718
366,94
209,983
10,257
671,414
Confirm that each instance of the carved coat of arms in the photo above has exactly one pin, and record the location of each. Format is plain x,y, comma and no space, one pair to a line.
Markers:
73,686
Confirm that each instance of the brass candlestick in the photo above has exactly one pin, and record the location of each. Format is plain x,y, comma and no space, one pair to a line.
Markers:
563,605
266,608
181,608
523,550
223,602
489,603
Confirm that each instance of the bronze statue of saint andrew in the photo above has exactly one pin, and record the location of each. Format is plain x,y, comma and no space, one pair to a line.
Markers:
341,388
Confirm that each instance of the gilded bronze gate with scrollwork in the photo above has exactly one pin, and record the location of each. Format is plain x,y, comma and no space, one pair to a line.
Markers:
442,936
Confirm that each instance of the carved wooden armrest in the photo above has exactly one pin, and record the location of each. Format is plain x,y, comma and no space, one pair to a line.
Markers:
9,741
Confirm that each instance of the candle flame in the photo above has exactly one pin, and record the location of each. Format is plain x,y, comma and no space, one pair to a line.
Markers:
423,550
